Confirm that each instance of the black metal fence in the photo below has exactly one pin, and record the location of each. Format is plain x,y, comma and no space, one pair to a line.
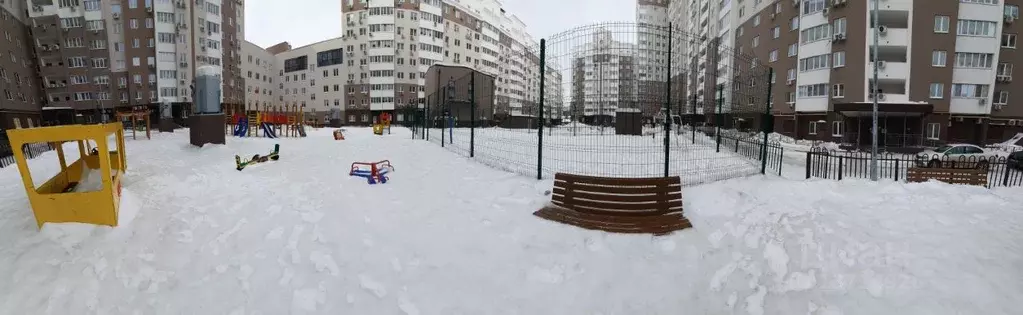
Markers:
838,165
30,150
615,100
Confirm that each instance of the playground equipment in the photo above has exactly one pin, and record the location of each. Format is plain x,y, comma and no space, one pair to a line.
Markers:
382,121
271,122
135,118
273,156
338,135
68,196
373,172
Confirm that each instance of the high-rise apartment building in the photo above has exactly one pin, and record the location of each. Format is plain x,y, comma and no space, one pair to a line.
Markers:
604,78
94,54
944,68
652,59
390,44
20,101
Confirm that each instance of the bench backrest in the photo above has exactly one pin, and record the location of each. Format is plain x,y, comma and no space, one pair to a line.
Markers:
976,177
618,196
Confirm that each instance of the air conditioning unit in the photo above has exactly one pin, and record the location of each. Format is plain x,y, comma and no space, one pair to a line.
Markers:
795,3
882,30
837,3
37,8
982,101
149,9
1012,122
839,37
73,8
881,64
1009,19
773,15
825,11
959,119
790,82
116,15
1004,78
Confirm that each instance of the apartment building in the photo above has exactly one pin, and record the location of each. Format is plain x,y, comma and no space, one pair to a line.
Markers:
260,70
390,44
604,78
944,68
99,55
20,102
652,60
313,78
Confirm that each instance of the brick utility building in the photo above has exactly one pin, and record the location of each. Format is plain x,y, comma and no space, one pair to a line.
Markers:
20,100
94,55
447,89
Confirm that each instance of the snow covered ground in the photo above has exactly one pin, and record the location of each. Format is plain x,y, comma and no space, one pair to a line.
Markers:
447,235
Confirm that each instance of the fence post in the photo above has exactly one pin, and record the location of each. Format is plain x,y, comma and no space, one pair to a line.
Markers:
897,169
720,118
1005,177
781,159
539,114
840,168
472,113
808,164
766,123
667,109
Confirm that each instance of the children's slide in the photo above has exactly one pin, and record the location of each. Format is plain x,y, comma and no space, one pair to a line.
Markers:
268,130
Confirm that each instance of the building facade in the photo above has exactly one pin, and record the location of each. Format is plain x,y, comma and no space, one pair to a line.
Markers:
260,70
390,44
312,78
604,78
100,55
20,102
944,67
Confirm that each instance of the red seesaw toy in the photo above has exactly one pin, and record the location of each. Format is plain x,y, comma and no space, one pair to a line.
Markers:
373,172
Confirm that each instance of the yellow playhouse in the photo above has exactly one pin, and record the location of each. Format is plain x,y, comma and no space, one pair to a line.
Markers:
59,200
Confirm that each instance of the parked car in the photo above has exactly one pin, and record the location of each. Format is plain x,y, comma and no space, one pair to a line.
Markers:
1015,160
956,155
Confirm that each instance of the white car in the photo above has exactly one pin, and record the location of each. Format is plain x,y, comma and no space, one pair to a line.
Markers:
955,155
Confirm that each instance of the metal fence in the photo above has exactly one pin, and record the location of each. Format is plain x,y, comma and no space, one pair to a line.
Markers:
614,100
839,165
30,150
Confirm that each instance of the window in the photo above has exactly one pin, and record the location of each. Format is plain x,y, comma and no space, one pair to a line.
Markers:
1012,11
791,75
132,4
794,24
813,128
837,128
1003,98
937,90
133,24
76,62
970,90
793,50
976,28
838,59
838,91
990,2
756,20
774,55
1008,40
1005,69
813,90
941,24
149,22
974,60
838,27
756,41
938,58
816,33
814,63
813,6
933,131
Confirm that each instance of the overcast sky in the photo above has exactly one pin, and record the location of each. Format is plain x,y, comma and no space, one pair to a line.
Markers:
303,22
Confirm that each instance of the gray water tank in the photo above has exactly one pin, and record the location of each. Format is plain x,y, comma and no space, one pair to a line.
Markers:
207,90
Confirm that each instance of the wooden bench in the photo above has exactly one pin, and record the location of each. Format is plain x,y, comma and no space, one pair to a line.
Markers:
621,205
968,176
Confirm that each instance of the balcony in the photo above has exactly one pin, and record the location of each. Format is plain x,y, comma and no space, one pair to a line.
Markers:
889,70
